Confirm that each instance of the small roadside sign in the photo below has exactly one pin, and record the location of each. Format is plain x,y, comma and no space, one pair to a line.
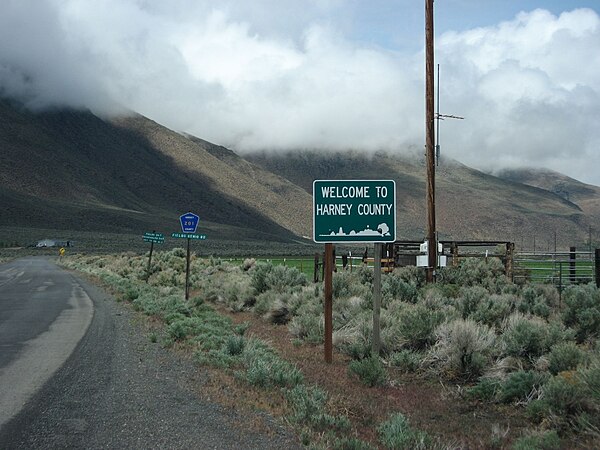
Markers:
188,236
189,222
354,211
155,238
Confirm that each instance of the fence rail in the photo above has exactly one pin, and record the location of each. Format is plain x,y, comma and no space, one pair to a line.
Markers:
559,268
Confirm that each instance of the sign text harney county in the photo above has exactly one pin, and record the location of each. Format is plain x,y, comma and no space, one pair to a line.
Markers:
354,211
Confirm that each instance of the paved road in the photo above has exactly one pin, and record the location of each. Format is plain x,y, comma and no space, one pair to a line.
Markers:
78,371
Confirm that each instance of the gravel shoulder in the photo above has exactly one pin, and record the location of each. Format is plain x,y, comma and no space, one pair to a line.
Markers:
120,390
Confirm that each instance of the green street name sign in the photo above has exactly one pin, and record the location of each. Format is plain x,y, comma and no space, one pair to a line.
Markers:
188,236
354,211
157,238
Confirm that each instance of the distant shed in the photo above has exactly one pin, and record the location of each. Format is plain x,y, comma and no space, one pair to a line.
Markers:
54,243
46,243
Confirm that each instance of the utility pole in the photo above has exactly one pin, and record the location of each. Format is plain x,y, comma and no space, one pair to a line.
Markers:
429,142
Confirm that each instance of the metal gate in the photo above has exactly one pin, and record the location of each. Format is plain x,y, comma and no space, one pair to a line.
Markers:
560,268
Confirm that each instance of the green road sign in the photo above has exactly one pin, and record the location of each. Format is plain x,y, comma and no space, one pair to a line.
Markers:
157,238
354,211
188,235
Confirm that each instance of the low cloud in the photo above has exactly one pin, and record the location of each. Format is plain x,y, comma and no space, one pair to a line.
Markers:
290,78
530,91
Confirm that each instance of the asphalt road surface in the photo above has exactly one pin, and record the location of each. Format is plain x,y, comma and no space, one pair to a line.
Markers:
78,371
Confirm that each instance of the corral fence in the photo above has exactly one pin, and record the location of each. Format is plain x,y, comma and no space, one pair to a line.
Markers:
407,253
558,268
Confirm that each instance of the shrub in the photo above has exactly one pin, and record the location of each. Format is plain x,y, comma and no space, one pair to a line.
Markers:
520,385
476,271
308,327
590,377
259,277
348,284
355,338
564,356
396,433
308,405
548,440
494,309
485,390
416,325
235,345
582,311
267,371
462,348
524,338
266,277
564,397
538,300
236,292
470,298
405,360
369,370
265,301
393,286
248,264
411,275
283,278
351,444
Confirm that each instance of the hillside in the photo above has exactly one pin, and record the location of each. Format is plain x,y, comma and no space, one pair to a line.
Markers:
586,196
470,204
74,170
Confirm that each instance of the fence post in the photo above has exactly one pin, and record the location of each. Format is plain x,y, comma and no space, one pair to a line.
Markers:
316,270
572,265
508,263
454,247
597,266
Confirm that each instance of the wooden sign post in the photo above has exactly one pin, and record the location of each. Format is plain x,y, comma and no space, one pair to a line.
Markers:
328,288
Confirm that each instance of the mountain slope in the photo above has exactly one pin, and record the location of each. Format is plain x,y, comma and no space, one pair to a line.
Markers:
72,170
130,175
586,196
469,204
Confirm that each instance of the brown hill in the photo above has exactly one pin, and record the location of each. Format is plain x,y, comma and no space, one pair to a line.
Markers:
470,204
74,170
586,196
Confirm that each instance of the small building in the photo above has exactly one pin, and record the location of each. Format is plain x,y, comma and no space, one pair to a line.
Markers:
54,243
46,243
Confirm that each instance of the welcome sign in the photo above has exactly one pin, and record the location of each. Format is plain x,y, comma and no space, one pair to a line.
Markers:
354,211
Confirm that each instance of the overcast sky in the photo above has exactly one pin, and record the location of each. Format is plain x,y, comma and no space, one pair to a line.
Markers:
324,74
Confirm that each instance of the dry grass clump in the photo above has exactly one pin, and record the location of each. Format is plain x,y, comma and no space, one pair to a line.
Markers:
462,349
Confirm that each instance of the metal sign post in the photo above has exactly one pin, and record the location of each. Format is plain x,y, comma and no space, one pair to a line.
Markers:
189,224
153,238
187,271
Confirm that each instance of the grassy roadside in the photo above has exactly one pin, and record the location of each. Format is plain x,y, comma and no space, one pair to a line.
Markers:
361,402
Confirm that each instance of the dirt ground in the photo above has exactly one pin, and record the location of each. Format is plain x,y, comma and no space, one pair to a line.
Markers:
430,405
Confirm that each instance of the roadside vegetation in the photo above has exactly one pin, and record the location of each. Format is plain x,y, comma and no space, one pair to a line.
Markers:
502,346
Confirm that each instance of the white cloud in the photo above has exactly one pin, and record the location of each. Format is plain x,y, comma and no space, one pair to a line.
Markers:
284,75
530,91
